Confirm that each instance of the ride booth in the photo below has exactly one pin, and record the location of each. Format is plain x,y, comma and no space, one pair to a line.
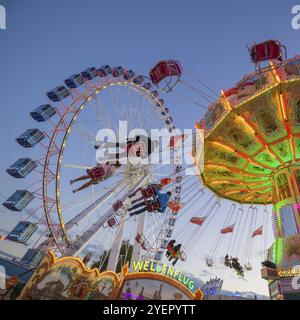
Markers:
68,278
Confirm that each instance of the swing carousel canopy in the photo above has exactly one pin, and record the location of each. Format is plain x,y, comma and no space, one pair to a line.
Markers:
251,132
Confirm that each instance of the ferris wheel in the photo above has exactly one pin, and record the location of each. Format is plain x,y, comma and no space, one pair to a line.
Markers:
93,100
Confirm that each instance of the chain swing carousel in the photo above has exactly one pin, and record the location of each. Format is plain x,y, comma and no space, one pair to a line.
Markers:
252,148
251,153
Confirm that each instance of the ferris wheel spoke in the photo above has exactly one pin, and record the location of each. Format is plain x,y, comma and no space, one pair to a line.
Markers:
76,166
115,105
131,98
101,113
147,115
135,110
88,210
85,134
73,205
78,200
105,111
138,110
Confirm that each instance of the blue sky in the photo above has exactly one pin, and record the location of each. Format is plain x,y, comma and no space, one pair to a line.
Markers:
46,41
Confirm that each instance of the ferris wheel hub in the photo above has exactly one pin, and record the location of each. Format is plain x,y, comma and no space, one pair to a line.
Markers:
133,174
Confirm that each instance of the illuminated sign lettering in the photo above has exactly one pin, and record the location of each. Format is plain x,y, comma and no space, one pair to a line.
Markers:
164,269
289,273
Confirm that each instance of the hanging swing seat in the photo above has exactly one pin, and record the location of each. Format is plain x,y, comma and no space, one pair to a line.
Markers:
240,273
248,266
112,222
148,192
176,255
209,262
119,208
166,69
227,264
141,240
96,173
153,205
182,256
175,206
268,50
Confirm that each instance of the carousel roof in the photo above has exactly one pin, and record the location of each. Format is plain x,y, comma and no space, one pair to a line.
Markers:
252,131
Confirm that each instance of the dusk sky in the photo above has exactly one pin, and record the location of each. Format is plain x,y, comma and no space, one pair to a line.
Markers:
46,41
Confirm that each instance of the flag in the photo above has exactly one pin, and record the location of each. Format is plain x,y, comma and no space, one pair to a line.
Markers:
227,229
257,232
197,220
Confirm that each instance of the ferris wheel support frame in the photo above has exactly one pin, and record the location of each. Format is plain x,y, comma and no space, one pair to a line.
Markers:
87,211
76,248
114,254
136,253
116,246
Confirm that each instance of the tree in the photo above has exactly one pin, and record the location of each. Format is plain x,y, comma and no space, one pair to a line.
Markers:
125,255
293,246
101,264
